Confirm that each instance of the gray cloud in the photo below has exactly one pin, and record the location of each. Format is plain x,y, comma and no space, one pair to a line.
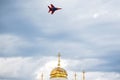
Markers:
18,68
88,33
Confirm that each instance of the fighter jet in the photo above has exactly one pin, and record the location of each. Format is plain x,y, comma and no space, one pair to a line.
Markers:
52,8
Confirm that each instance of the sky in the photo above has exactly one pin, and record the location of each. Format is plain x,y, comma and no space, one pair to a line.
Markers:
85,32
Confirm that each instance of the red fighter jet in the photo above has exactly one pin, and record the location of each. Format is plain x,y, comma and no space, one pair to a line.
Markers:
52,8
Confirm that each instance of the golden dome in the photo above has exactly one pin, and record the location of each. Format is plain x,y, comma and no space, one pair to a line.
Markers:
58,73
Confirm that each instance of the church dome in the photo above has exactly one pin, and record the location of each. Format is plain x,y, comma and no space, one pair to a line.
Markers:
58,73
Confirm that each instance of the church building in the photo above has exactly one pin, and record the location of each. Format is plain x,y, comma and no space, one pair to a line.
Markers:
59,73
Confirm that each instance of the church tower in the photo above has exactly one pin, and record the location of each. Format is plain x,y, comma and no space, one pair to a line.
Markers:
42,76
58,73
75,76
83,75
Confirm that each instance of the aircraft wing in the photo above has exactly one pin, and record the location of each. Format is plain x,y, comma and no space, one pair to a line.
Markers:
52,5
52,12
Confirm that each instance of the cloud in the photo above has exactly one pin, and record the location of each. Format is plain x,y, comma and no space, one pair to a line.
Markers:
11,44
21,67
83,52
32,67
87,34
26,67
15,67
